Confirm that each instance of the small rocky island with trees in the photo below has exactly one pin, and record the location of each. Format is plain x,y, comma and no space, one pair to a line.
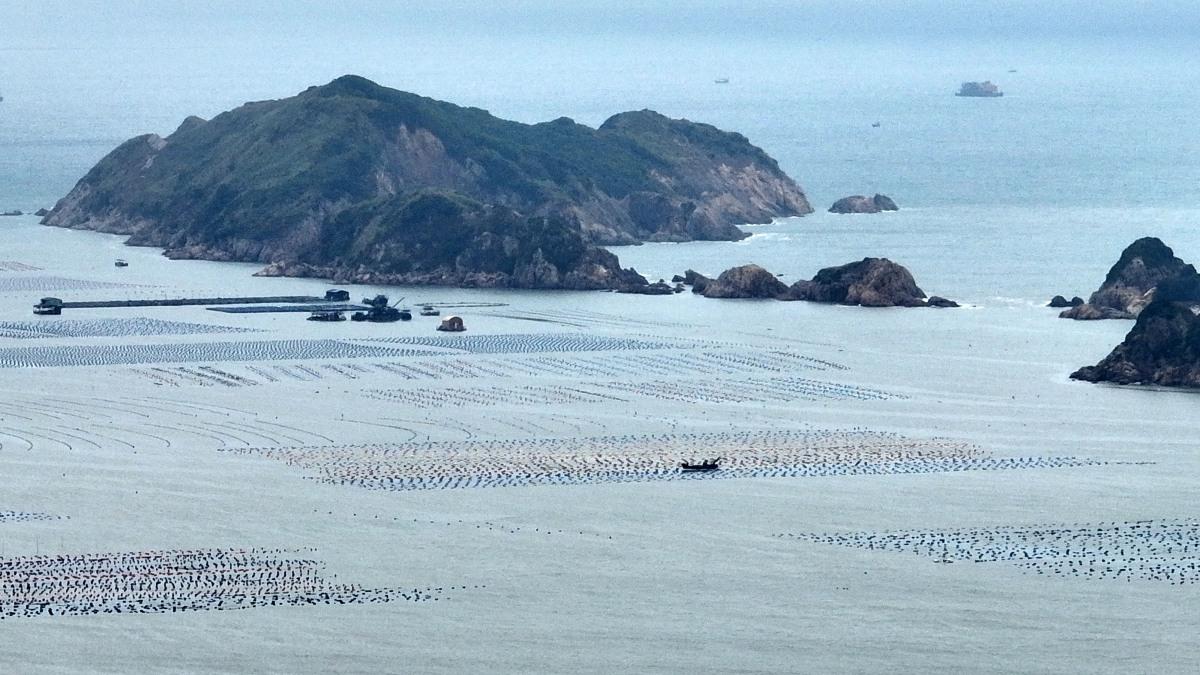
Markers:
361,183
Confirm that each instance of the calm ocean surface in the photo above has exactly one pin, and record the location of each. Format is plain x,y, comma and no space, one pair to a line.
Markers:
1004,203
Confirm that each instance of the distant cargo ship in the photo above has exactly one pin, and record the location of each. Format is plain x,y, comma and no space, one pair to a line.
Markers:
979,89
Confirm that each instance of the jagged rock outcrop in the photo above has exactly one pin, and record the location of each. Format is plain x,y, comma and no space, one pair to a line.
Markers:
1059,302
1163,348
41,212
697,281
939,301
871,282
746,281
861,204
1130,284
659,287
274,182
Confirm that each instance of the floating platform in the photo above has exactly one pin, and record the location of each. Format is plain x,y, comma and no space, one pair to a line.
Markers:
267,309
55,305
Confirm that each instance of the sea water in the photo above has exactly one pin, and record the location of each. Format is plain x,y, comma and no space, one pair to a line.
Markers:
1004,203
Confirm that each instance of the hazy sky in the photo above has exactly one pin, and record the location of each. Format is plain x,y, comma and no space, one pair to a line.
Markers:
58,21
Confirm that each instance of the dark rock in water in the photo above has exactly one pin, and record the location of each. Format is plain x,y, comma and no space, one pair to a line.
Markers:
12,213
659,288
1130,284
1163,348
885,203
678,288
746,281
939,301
871,282
861,204
697,281
390,187
41,212
678,279
1059,302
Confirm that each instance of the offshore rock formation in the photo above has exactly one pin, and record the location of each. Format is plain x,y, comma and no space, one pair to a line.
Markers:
697,281
939,301
861,204
746,281
369,183
1130,284
1163,348
1059,302
870,282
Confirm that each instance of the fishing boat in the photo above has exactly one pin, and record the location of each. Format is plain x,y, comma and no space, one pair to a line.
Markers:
327,315
697,467
120,263
721,80
429,310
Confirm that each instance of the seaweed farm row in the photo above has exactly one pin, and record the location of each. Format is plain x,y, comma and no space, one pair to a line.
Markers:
192,352
178,581
606,365
709,390
75,328
1144,550
23,517
634,458
50,283
526,343
16,266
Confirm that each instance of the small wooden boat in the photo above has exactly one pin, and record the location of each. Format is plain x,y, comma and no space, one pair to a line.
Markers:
327,315
120,263
706,465
429,310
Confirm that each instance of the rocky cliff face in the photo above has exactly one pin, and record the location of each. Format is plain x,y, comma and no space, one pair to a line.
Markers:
1130,284
278,181
870,282
436,239
1163,348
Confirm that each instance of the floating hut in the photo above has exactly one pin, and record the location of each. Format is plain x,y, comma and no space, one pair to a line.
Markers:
452,324
49,306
